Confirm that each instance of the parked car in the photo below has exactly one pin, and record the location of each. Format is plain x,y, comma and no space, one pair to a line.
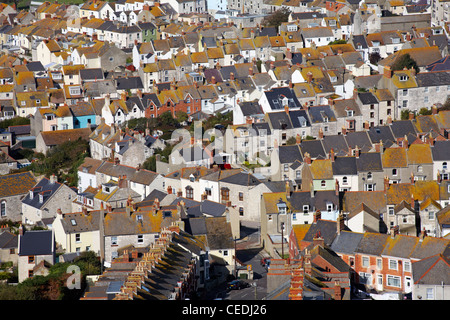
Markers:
237,285
265,262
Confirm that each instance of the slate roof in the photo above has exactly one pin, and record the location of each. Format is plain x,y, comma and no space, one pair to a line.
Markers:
346,242
36,242
441,151
314,148
335,142
44,187
369,162
289,154
91,74
360,139
276,95
344,166
433,270
381,133
372,243
242,178
299,117
279,120
401,128
8,240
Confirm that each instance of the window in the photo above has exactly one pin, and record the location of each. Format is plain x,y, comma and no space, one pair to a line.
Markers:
405,103
189,192
31,259
225,193
140,238
286,167
407,266
369,175
77,237
365,262
323,183
344,180
305,209
393,264
391,210
430,294
3,209
444,165
329,207
241,211
431,215
419,168
114,241
369,187
241,196
394,172
393,281
379,264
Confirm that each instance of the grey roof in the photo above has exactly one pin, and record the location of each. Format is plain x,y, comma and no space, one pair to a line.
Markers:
319,114
314,148
279,120
372,243
434,270
441,151
344,166
369,162
335,142
260,126
35,66
250,108
91,74
359,40
326,228
207,207
242,178
401,128
429,79
360,139
346,242
129,83
379,133
196,226
44,187
299,117
8,240
367,98
289,154
36,242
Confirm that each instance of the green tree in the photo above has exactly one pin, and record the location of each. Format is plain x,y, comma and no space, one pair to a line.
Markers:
291,141
425,111
405,61
340,41
277,17
404,115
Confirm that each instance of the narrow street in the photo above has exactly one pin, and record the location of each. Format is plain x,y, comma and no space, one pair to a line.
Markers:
249,252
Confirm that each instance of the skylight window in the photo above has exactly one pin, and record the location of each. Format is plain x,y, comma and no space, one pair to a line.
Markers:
73,222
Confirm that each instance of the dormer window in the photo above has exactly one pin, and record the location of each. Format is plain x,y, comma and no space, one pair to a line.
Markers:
31,194
403,77
41,198
395,40
350,113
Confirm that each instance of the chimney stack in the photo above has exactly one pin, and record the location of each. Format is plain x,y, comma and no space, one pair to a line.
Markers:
307,158
317,215
337,290
340,223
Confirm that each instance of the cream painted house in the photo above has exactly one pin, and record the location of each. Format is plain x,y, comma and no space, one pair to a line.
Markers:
78,231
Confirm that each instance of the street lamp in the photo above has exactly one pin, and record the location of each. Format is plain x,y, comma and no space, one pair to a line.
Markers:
282,240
